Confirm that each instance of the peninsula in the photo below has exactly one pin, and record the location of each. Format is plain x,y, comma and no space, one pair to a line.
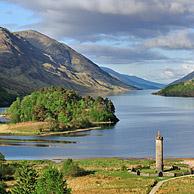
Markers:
182,89
53,110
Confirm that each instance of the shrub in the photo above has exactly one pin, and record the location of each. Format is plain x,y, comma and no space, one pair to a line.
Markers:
25,177
124,168
15,111
71,168
2,157
51,182
2,188
6,171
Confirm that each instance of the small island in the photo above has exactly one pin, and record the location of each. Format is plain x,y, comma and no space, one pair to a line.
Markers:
183,89
57,110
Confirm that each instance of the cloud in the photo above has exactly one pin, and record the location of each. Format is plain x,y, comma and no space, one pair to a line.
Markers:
88,20
116,55
176,73
177,40
122,32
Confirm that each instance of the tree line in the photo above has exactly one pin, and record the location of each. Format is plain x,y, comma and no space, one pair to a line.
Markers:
31,179
64,108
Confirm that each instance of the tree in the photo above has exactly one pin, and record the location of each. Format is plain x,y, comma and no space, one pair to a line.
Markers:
2,157
51,182
63,118
25,177
14,111
110,105
39,113
70,168
65,107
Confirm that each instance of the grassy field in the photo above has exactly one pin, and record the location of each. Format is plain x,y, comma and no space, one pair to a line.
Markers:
178,186
36,128
108,176
25,128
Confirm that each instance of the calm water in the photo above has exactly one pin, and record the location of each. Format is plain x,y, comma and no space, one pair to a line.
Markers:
140,114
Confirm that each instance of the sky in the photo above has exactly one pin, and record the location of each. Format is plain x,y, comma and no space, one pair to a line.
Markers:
153,39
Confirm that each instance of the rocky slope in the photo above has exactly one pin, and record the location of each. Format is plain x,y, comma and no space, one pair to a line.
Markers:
31,60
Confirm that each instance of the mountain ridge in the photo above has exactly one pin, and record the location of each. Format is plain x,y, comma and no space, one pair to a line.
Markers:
183,87
30,60
187,77
134,80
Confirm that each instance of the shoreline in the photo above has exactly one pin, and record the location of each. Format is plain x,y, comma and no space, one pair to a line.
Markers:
69,132
189,160
42,129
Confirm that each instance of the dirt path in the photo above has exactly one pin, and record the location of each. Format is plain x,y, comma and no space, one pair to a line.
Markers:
159,184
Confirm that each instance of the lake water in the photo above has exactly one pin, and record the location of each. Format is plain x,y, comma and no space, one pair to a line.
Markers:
141,115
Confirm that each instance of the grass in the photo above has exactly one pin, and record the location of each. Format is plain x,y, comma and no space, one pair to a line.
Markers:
178,186
109,177
25,128
114,163
110,183
35,128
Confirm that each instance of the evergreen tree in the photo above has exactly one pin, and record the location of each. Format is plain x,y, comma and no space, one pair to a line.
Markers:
2,157
15,111
51,182
25,177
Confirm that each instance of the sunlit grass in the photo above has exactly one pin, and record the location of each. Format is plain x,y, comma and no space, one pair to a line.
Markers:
178,186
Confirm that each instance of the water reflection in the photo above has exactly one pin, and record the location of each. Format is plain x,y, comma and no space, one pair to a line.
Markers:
140,114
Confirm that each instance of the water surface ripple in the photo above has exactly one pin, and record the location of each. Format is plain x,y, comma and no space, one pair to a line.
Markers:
140,114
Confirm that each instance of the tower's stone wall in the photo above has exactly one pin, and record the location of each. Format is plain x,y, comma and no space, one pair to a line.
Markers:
159,153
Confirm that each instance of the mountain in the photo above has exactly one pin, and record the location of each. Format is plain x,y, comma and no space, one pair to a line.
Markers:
188,77
183,87
133,80
30,60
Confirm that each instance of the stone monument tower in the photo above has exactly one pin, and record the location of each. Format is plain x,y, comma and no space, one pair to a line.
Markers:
159,152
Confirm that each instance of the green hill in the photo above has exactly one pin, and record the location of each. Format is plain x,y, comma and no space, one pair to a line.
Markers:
183,89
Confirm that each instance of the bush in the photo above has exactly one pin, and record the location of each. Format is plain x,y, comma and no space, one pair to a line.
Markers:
6,171
124,168
2,188
51,182
71,168
25,177
2,157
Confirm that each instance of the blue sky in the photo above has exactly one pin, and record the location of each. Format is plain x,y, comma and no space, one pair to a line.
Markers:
14,17
153,39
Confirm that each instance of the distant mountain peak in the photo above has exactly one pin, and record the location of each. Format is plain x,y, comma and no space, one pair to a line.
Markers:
3,29
183,87
134,80
31,60
187,77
